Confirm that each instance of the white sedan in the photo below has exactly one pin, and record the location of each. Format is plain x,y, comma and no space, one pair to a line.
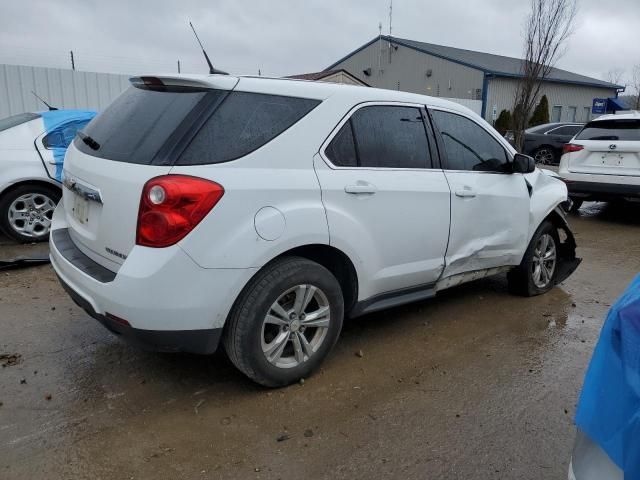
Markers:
32,149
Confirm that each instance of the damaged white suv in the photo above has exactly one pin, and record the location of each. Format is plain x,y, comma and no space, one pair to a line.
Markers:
260,212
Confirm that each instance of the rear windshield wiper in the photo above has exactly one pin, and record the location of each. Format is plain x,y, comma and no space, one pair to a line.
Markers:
90,142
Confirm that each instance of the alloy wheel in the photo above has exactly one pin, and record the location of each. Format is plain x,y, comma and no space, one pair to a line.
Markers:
295,326
30,215
543,264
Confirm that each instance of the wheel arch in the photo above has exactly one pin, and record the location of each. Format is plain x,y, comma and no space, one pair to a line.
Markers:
30,181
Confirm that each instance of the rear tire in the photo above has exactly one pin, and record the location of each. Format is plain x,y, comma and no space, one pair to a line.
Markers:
271,336
538,270
26,212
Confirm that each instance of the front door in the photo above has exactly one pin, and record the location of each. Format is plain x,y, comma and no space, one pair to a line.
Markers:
489,205
387,207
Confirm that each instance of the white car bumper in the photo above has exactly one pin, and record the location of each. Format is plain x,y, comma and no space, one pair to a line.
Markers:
159,298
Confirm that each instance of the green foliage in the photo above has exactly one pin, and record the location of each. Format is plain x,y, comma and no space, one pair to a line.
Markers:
503,123
541,113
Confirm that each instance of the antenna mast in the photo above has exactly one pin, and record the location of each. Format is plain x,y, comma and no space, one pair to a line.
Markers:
206,57
390,17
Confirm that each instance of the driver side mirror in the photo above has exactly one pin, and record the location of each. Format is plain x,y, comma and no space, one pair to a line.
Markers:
523,163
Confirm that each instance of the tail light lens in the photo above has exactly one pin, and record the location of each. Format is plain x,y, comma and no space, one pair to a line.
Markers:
570,147
171,206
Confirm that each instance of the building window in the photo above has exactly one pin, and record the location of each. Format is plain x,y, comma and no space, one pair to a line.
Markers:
571,114
587,114
556,113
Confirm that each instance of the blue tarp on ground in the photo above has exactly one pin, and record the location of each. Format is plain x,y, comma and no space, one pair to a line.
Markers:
609,407
56,118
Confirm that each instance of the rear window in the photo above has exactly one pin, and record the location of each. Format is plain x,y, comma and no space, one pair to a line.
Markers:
194,126
15,120
138,123
611,130
243,123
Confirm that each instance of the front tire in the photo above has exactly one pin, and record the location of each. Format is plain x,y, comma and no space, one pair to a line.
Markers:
285,322
538,270
26,212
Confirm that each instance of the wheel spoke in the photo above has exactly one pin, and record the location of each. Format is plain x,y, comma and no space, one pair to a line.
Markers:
306,346
297,347
274,349
279,311
544,241
301,297
536,274
318,318
272,319
308,296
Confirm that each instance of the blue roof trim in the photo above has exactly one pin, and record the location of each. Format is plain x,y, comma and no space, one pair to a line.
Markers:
559,80
466,64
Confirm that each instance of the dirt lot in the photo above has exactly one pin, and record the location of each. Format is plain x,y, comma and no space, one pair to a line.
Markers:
474,384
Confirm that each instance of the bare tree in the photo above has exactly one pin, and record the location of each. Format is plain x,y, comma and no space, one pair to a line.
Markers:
635,85
614,75
547,28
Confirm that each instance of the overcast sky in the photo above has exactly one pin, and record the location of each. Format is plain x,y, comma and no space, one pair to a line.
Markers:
284,37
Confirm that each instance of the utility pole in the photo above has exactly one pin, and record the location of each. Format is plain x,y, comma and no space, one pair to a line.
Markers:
178,66
73,63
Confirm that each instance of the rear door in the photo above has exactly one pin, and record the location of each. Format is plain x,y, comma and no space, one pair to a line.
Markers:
489,205
129,143
386,198
610,147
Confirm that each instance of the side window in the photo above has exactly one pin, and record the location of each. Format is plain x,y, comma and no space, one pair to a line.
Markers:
391,137
342,149
243,123
468,145
568,130
62,136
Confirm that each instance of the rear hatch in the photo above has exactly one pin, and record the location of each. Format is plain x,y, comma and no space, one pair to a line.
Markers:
609,147
132,141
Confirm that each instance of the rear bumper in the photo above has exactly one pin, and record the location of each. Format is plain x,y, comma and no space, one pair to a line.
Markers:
188,341
168,301
601,190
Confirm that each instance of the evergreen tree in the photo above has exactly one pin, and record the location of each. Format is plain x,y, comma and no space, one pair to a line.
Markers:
541,113
503,123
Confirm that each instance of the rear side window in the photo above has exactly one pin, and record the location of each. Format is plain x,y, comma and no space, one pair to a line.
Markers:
382,136
569,130
611,130
468,145
138,123
15,120
243,123
342,149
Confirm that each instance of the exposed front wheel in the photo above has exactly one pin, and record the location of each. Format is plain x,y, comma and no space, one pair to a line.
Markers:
538,270
26,212
285,322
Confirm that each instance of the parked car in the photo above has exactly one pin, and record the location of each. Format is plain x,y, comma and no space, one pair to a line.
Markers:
602,162
32,148
262,211
545,142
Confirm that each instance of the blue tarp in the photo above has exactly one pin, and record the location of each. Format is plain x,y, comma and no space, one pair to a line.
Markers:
609,407
55,118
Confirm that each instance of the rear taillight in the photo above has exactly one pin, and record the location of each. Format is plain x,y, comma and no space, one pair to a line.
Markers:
571,147
171,206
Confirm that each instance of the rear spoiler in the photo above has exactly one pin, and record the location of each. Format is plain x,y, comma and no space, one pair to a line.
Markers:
217,82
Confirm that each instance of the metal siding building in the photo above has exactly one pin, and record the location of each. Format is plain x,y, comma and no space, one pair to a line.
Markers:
480,81
61,88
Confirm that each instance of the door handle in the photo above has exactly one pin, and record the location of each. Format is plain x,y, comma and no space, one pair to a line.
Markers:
465,193
361,189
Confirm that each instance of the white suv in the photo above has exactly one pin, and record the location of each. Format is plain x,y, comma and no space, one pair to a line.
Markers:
261,211
602,162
